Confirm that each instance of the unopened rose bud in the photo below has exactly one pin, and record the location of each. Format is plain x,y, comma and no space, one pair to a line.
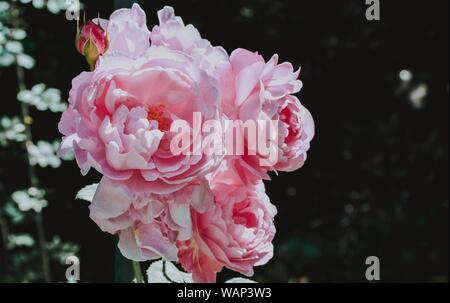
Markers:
91,41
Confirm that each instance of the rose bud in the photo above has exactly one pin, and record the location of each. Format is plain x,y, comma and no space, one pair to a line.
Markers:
91,41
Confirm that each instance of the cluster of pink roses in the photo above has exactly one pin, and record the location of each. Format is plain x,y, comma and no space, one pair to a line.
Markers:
204,211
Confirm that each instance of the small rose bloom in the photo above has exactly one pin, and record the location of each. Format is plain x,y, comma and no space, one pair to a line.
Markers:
236,232
91,41
296,130
253,89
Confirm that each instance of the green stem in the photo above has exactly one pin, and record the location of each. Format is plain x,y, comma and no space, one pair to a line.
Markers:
138,272
33,178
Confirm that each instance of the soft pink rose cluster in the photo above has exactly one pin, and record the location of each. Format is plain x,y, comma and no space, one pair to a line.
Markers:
204,211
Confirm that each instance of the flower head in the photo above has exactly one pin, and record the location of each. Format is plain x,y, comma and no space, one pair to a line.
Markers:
236,232
91,41
254,89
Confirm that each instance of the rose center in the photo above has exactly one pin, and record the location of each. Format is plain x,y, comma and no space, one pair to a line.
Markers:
158,113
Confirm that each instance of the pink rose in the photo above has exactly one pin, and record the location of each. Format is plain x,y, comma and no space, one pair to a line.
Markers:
120,114
257,90
236,232
296,130
148,227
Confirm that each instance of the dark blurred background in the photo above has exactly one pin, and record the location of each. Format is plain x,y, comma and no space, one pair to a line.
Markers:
376,179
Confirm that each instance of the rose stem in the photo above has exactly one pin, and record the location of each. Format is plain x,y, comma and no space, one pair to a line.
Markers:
137,272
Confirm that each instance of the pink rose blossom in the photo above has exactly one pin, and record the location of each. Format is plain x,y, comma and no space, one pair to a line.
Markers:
253,89
296,130
148,227
120,114
235,233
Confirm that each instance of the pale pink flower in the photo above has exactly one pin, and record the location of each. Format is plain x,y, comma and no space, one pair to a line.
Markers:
120,114
296,130
236,232
148,227
119,118
253,89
